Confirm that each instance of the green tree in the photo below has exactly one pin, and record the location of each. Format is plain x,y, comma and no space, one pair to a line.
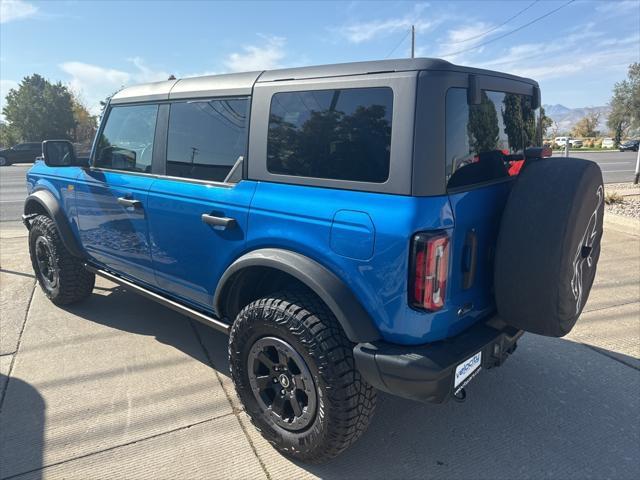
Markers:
483,126
587,126
8,136
85,123
39,109
546,123
625,104
513,121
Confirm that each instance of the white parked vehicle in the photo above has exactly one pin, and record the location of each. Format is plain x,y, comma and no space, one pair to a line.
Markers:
561,141
608,143
575,143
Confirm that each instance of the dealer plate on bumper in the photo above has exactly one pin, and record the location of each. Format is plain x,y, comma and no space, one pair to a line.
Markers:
466,371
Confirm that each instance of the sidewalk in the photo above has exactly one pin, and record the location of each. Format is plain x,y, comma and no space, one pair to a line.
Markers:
120,387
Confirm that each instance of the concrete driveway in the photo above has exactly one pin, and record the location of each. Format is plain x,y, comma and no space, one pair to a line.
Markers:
120,387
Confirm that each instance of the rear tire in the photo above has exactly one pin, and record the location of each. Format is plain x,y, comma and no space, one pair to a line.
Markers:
298,334
4,162
61,276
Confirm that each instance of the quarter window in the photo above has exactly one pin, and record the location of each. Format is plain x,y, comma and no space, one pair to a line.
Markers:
206,138
126,142
334,134
486,142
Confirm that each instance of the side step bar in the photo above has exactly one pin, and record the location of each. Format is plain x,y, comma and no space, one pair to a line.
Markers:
173,305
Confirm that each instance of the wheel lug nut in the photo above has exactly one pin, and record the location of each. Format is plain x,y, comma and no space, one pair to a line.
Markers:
282,392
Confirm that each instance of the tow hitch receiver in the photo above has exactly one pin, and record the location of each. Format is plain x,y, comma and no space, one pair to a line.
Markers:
501,350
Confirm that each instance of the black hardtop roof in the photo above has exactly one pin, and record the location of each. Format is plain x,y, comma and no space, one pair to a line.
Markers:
376,66
242,83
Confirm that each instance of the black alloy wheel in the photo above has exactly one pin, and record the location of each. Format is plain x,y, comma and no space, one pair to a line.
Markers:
282,383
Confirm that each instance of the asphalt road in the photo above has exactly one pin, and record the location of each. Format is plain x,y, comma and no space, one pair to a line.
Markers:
616,167
13,190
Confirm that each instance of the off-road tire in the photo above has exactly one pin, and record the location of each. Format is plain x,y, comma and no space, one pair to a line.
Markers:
345,402
74,283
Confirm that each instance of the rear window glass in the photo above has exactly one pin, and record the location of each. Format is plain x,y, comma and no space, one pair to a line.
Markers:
335,134
486,142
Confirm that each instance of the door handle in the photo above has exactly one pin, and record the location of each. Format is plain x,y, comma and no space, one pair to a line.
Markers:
129,202
223,222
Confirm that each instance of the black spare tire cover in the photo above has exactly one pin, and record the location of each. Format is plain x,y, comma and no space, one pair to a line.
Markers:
549,244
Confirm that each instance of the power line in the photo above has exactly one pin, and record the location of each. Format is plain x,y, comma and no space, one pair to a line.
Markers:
509,32
399,43
497,26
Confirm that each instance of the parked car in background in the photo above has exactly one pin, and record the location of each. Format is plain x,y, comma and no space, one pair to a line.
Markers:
608,143
575,143
20,153
629,145
561,141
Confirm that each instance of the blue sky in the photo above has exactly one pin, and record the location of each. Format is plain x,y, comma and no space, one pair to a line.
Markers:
576,54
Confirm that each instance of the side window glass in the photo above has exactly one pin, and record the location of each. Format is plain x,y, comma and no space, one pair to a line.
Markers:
335,134
206,138
486,142
126,142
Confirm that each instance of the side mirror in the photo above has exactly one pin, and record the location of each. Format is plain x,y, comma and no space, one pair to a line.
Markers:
59,153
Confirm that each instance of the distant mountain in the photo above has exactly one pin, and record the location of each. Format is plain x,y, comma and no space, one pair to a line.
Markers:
556,109
566,117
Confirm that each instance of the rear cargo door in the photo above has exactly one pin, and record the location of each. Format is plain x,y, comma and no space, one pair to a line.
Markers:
485,141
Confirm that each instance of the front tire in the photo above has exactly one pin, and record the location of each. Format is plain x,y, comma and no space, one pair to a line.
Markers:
294,372
61,276
4,162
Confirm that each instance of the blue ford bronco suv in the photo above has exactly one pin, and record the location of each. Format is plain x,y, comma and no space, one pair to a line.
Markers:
388,225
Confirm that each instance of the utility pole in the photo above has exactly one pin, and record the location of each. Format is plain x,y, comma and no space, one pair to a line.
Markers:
637,177
413,41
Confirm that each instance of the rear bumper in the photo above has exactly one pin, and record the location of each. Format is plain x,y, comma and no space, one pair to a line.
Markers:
426,372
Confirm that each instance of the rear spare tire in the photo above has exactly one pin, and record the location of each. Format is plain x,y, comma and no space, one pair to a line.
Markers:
549,244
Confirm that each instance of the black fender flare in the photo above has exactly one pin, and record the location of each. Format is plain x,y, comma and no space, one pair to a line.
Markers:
43,199
355,321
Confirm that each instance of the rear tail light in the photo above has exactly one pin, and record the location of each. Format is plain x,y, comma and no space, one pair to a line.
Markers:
429,270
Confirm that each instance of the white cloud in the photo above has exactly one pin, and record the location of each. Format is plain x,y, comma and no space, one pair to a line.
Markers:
94,83
144,73
618,8
468,32
567,56
364,31
15,9
253,57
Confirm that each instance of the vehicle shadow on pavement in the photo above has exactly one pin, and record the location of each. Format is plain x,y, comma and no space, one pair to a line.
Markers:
555,409
118,308
15,453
